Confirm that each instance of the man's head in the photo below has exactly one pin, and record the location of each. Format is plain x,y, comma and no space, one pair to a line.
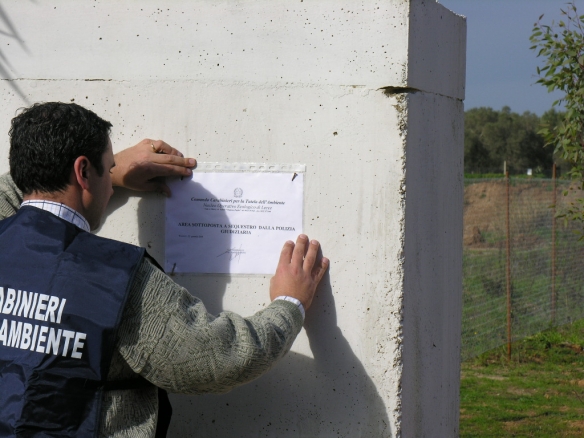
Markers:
47,138
62,152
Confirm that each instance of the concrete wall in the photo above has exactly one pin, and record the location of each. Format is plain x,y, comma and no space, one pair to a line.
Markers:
368,94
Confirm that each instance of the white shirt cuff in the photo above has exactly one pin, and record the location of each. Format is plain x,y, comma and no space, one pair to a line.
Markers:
292,300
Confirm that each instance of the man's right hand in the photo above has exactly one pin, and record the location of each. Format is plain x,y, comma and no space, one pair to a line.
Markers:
143,167
298,272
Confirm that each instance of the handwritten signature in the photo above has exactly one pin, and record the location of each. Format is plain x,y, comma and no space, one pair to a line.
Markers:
234,253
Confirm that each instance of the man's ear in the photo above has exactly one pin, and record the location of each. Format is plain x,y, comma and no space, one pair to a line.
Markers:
81,170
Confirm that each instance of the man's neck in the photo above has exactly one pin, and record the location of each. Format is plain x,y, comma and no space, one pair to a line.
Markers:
67,197
60,210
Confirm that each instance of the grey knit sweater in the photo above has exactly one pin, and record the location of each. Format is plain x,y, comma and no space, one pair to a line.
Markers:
167,336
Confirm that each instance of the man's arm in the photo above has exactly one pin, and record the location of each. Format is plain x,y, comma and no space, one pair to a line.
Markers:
10,196
142,167
167,336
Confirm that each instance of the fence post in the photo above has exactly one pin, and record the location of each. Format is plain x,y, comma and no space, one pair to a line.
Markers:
508,271
554,297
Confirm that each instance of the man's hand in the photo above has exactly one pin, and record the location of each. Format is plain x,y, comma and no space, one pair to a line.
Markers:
298,273
144,166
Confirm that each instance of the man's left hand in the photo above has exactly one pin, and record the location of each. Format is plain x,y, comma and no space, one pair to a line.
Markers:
144,166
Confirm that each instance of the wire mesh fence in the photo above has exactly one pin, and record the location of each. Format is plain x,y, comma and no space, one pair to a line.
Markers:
522,269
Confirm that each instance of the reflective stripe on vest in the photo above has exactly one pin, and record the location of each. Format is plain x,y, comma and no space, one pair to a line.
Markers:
62,292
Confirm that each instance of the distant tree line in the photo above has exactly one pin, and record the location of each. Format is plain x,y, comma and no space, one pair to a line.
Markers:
493,137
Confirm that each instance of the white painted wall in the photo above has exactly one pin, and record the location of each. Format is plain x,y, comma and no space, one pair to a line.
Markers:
291,81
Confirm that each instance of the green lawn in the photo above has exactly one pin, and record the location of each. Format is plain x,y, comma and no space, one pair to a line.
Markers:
539,393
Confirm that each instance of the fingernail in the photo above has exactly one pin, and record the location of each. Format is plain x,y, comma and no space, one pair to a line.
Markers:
192,161
189,172
289,242
314,242
325,260
303,237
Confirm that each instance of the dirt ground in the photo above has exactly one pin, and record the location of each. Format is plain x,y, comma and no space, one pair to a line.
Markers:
530,203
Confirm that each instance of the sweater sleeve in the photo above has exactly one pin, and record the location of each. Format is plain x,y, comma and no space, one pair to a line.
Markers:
10,196
167,336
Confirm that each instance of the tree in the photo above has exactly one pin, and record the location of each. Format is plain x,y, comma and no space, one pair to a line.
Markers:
492,137
477,154
561,46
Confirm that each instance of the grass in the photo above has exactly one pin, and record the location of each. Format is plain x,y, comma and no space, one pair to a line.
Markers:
538,393
484,291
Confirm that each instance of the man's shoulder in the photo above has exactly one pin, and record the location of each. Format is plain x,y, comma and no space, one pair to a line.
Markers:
10,196
39,224
104,248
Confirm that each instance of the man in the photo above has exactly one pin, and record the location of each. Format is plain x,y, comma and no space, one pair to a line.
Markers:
90,328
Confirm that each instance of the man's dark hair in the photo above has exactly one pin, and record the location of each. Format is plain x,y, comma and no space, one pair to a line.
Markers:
47,138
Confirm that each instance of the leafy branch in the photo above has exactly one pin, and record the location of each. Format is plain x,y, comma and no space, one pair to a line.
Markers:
561,46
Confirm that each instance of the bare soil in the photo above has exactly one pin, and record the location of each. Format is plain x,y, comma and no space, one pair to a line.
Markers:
530,204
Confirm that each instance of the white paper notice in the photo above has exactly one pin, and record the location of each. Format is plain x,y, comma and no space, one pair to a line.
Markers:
232,222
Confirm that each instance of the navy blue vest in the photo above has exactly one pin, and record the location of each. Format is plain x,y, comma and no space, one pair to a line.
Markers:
62,292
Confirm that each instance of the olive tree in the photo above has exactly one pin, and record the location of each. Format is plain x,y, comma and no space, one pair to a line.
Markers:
561,47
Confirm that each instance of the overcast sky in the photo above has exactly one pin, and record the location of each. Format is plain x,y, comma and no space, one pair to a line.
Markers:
500,68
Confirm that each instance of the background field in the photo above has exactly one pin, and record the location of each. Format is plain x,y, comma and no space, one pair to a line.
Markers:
484,321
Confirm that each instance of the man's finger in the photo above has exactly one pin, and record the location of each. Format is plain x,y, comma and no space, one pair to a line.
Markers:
286,254
174,160
310,257
299,249
165,148
162,170
319,269
161,147
148,171
170,170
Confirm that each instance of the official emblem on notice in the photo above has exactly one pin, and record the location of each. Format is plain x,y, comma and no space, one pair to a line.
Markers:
238,193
